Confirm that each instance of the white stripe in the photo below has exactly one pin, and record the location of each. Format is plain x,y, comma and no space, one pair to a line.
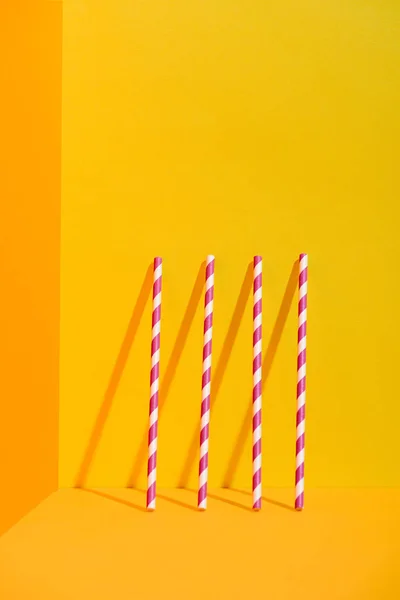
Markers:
156,329
203,476
301,400
210,282
207,363
257,405
257,435
151,477
153,417
303,262
257,492
301,373
157,301
205,419
204,448
257,295
157,272
300,429
302,318
155,358
303,290
302,345
203,504
300,487
153,447
257,349
257,464
257,322
154,387
207,336
257,377
206,391
257,269
300,458
208,309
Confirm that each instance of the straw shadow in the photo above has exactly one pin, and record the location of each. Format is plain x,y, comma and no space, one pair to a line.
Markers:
171,500
268,500
220,369
177,502
225,500
268,360
114,499
171,368
230,502
115,378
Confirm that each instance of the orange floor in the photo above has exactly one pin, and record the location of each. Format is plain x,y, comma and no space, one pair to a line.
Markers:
101,544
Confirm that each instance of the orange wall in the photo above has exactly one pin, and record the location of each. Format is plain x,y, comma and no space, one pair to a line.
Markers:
30,154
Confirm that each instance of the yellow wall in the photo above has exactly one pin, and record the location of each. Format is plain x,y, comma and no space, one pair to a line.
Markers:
232,128
30,187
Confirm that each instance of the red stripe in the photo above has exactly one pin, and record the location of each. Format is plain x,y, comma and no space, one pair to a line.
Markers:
300,415
257,282
300,443
154,373
152,463
204,462
257,335
204,433
210,269
153,402
301,386
257,308
256,479
207,348
256,449
156,317
209,296
300,472
151,493
301,359
303,276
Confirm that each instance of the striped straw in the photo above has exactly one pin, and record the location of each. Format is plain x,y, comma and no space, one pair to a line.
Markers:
154,385
257,399
301,381
206,384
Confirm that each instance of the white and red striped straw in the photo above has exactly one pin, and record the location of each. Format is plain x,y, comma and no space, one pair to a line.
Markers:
154,386
206,384
301,381
257,376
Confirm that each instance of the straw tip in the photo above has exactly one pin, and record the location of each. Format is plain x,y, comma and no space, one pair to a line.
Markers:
298,508
210,257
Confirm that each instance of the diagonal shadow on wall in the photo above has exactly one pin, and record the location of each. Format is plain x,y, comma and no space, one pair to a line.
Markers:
115,378
171,368
220,369
223,363
268,360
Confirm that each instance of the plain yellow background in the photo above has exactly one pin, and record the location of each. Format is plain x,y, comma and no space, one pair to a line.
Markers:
232,128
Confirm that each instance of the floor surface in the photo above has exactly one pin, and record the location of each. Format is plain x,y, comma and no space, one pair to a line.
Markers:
101,544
